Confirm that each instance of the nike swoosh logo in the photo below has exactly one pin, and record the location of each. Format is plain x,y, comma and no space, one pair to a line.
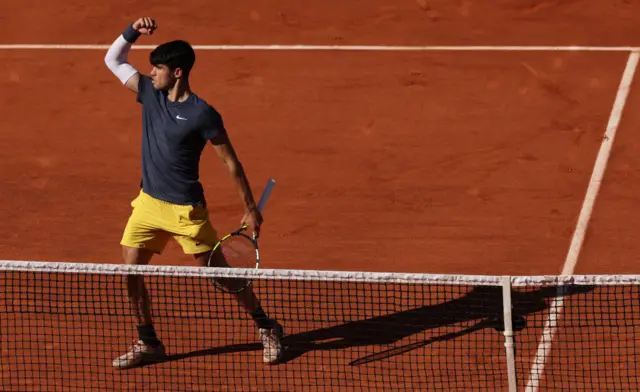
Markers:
180,118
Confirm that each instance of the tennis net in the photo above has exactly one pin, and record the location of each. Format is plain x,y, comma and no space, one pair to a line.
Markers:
62,324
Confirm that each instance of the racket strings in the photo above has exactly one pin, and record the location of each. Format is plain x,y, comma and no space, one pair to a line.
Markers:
239,252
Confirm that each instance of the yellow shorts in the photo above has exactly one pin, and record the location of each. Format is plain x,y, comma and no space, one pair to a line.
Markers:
153,221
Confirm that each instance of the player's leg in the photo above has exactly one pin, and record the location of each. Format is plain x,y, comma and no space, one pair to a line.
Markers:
269,330
148,347
198,237
139,295
142,238
246,297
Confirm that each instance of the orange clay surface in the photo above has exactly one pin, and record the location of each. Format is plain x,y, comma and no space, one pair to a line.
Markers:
427,162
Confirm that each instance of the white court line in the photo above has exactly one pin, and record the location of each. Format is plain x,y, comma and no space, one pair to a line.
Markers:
557,305
374,48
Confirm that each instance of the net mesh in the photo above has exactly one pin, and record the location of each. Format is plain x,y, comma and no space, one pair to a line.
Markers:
61,325
579,335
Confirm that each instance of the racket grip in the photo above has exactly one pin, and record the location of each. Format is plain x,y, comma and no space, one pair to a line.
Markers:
265,194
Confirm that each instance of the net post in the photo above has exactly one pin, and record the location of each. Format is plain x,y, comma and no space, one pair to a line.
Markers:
508,333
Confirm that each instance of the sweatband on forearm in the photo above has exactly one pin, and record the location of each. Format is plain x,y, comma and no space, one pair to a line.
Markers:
130,34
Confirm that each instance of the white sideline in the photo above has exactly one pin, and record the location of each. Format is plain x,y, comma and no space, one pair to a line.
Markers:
557,305
373,48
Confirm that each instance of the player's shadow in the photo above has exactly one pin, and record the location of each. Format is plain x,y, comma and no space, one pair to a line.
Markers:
232,348
481,306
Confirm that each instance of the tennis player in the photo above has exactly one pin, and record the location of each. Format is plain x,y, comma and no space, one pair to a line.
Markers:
176,126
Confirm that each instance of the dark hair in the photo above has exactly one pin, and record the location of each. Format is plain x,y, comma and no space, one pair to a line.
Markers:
174,54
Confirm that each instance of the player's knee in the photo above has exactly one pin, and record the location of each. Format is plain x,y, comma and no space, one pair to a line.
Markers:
217,259
136,255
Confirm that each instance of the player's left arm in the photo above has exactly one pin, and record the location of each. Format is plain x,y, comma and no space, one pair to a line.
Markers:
252,216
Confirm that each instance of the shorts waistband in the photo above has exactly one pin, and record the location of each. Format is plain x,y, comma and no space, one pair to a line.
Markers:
169,203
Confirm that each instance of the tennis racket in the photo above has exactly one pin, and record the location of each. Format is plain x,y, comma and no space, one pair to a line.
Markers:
238,250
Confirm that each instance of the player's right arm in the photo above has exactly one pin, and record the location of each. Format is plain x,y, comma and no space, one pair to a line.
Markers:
116,57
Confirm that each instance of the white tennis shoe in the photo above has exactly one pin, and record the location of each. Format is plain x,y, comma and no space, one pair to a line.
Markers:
138,354
272,343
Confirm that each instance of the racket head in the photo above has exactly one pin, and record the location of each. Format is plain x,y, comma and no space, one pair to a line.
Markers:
235,250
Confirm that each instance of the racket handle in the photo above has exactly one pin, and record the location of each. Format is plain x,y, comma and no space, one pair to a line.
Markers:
266,194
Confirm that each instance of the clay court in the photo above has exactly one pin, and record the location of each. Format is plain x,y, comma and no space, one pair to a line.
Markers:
438,161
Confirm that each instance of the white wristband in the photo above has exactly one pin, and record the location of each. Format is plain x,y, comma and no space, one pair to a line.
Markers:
116,60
